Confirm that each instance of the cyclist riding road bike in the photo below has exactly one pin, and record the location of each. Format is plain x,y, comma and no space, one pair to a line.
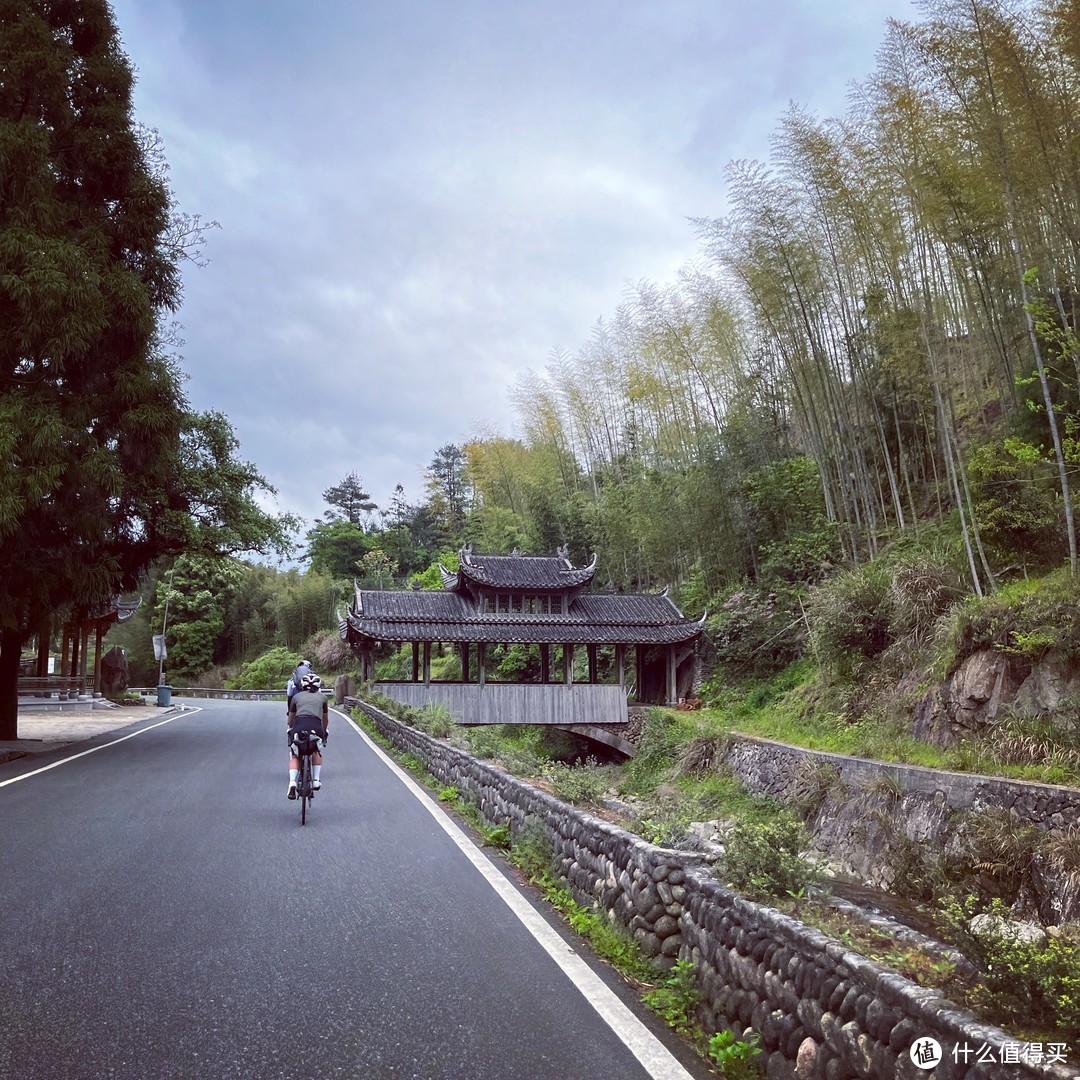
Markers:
308,711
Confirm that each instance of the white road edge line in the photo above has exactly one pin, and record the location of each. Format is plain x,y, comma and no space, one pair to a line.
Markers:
656,1059
95,749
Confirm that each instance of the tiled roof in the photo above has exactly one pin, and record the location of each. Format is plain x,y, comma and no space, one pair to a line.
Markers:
520,572
453,617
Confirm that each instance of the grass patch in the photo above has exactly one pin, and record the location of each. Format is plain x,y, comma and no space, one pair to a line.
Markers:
791,708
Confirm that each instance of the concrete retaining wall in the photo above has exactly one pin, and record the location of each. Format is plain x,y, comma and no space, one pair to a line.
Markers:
820,1010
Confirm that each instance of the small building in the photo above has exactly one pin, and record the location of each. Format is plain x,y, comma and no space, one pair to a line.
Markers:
638,645
73,678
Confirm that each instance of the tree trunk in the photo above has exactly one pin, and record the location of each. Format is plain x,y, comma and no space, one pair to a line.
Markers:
10,652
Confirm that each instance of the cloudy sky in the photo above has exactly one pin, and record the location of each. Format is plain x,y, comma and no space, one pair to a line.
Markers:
421,199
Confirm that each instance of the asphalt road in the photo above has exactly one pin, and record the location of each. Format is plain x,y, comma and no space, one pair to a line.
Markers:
163,914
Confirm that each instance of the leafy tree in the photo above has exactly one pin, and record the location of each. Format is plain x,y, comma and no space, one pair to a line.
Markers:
250,623
495,529
337,548
269,671
103,467
431,578
448,491
1014,506
794,536
196,590
379,568
348,501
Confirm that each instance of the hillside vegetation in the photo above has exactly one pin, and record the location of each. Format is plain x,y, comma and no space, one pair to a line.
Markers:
870,371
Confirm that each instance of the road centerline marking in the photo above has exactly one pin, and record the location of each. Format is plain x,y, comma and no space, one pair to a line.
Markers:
95,749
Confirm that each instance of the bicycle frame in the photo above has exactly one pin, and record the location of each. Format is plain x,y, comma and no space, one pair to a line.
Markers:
305,790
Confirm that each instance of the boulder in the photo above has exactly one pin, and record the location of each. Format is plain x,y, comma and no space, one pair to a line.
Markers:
969,700
987,925
114,672
344,686
1053,681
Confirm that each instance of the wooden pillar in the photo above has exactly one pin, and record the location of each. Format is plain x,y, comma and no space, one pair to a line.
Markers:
416,661
545,664
481,665
427,662
639,662
620,663
43,649
592,663
97,659
73,665
568,664
465,661
672,688
85,653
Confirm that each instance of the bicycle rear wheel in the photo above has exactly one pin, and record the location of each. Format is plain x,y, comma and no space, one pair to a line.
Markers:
305,786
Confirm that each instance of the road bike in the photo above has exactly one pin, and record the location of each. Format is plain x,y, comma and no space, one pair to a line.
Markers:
305,744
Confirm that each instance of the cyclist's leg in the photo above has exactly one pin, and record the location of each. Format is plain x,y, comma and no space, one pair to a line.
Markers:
294,769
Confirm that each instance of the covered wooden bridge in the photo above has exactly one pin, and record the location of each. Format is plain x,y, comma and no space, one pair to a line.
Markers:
639,644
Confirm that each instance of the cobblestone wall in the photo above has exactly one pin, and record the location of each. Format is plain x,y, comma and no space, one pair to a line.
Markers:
821,1011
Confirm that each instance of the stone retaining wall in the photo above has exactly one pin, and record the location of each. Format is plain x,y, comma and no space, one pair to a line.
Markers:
876,814
771,768
820,1010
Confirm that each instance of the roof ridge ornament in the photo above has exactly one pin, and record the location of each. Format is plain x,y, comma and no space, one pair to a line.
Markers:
563,553
466,554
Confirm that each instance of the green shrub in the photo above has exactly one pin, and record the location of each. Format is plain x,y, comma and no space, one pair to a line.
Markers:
496,836
269,671
583,784
1025,619
734,1056
532,852
483,742
1029,983
923,588
1016,508
435,719
755,632
666,827
676,998
851,618
764,858
663,735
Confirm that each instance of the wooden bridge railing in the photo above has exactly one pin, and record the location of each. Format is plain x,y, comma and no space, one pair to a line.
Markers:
59,686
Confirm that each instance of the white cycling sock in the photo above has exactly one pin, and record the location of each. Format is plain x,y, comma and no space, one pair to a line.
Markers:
315,770
293,775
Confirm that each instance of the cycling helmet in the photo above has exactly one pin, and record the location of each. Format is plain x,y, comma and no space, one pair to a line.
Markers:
310,682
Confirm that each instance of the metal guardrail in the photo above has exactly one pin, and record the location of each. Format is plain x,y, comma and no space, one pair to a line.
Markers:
215,692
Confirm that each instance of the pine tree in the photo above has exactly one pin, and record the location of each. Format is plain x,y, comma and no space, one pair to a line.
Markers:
348,501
